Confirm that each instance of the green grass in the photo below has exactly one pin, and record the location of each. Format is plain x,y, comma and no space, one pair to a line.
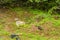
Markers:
32,20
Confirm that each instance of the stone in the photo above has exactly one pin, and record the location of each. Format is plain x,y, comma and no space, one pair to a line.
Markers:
13,36
40,28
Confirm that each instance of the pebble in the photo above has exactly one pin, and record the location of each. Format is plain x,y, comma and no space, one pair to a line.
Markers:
40,28
15,36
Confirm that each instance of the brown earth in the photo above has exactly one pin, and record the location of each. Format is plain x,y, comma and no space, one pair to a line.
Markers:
8,17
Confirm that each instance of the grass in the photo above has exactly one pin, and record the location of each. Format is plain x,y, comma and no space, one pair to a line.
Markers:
30,18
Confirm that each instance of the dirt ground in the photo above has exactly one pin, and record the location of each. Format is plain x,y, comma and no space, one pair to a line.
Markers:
7,18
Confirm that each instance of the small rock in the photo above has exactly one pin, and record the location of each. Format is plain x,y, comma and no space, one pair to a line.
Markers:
17,39
40,28
13,36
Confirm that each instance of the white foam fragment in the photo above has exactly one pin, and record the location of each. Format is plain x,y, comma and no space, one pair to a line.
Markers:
18,23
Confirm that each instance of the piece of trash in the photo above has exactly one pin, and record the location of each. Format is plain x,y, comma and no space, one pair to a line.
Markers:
18,22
